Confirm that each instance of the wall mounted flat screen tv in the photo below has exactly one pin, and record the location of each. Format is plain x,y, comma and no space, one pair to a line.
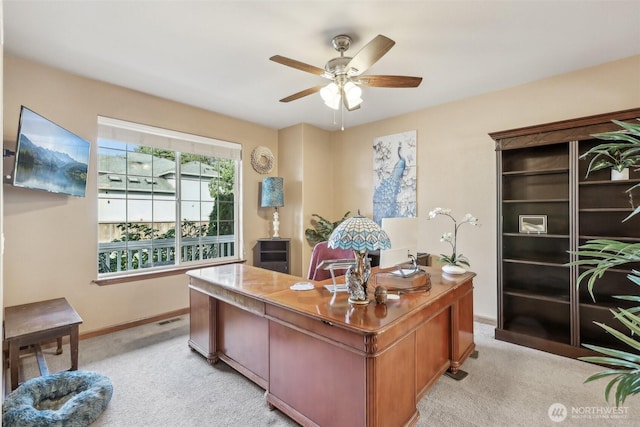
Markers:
49,157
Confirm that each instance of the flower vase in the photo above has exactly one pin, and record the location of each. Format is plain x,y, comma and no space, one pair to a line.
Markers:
453,269
620,176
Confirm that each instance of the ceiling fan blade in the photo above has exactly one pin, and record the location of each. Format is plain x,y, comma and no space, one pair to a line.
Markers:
297,65
389,81
369,55
301,94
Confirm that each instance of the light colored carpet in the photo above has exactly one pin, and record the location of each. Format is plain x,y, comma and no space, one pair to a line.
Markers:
158,381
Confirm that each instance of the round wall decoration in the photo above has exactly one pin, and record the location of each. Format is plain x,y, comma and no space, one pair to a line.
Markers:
262,159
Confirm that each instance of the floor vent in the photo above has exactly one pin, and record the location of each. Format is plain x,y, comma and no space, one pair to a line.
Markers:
166,322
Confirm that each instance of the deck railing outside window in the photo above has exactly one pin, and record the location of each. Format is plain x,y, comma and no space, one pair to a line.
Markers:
139,254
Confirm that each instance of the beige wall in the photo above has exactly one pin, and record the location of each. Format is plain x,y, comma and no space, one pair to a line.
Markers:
319,188
51,240
456,157
290,151
306,165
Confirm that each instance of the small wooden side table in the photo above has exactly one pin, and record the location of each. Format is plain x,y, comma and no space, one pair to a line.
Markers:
33,323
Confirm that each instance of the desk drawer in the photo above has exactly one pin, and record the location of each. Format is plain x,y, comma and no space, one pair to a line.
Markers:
245,302
320,329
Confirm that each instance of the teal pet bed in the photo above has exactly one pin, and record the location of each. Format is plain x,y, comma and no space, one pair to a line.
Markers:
63,399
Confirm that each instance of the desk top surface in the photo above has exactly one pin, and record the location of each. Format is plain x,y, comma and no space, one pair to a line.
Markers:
274,288
20,320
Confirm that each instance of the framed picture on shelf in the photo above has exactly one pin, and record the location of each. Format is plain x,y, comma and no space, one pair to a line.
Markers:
533,224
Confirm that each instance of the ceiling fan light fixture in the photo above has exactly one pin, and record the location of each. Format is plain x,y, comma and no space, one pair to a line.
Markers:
352,93
346,74
330,94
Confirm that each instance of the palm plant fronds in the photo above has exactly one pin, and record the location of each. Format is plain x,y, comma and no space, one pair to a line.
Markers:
635,212
634,277
631,321
628,382
622,153
627,376
603,254
322,228
630,129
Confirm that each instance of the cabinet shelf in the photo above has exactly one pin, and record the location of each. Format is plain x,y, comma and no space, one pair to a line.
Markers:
272,254
611,223
590,333
618,238
536,201
620,198
549,331
626,183
615,281
529,262
541,318
606,210
562,299
610,271
539,173
537,235
606,307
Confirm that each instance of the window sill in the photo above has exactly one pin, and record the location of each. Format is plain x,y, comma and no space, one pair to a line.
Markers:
155,274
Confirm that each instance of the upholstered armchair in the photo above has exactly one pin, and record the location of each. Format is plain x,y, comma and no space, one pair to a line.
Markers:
322,252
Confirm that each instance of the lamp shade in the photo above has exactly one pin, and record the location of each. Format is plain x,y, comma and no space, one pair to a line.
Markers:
352,93
359,233
272,192
330,94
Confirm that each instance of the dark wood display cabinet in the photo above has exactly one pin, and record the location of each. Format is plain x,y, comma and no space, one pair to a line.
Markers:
272,254
548,207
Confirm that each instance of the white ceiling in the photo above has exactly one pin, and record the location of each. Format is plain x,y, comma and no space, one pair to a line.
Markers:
215,54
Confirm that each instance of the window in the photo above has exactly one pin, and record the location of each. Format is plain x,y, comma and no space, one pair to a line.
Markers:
165,199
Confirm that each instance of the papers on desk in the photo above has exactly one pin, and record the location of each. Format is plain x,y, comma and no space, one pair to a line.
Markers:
302,286
332,265
336,288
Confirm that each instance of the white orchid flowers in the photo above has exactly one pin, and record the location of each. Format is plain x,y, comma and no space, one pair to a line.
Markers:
452,238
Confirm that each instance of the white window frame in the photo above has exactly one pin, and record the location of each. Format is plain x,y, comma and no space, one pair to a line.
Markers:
179,142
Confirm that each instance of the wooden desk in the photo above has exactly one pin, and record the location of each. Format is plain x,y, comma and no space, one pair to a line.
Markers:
322,360
31,324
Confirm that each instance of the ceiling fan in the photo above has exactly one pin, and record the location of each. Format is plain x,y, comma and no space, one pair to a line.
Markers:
346,73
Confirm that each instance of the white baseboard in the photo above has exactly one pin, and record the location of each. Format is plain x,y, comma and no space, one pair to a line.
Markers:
485,320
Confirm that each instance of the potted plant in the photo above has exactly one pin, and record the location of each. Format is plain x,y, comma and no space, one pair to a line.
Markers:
322,228
456,262
603,254
620,154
